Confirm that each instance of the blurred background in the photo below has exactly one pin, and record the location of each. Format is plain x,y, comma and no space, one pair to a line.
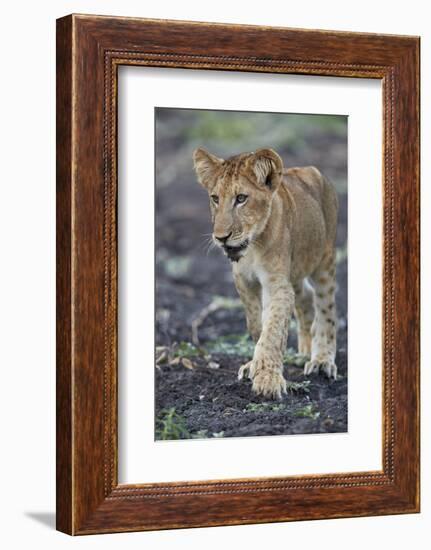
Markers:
199,319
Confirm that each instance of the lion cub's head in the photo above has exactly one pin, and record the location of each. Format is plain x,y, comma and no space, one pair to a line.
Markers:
241,189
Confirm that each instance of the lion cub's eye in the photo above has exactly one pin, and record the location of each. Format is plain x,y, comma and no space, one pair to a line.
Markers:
214,198
240,199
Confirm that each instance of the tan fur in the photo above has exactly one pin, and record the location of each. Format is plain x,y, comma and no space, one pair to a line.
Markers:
282,243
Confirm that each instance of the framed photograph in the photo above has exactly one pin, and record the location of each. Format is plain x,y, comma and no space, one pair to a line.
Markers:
237,274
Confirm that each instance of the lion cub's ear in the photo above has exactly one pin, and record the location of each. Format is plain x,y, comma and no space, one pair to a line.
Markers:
267,166
206,166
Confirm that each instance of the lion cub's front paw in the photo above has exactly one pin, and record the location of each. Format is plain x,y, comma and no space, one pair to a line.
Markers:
267,377
328,367
269,384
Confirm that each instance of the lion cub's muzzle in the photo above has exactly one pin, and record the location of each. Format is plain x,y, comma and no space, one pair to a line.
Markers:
234,253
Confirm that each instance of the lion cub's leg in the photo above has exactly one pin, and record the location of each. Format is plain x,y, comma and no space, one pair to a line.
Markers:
250,294
324,327
266,367
304,313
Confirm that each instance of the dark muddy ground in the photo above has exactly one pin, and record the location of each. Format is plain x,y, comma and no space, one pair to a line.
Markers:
197,390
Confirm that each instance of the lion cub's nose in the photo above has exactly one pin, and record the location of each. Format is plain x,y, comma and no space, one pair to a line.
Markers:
223,239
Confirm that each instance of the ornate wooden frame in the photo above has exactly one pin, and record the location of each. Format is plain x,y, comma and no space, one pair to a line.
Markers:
89,51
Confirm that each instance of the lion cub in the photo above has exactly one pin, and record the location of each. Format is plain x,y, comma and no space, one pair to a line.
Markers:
278,229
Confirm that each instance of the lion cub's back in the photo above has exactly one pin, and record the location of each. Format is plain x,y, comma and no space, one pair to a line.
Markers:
308,184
